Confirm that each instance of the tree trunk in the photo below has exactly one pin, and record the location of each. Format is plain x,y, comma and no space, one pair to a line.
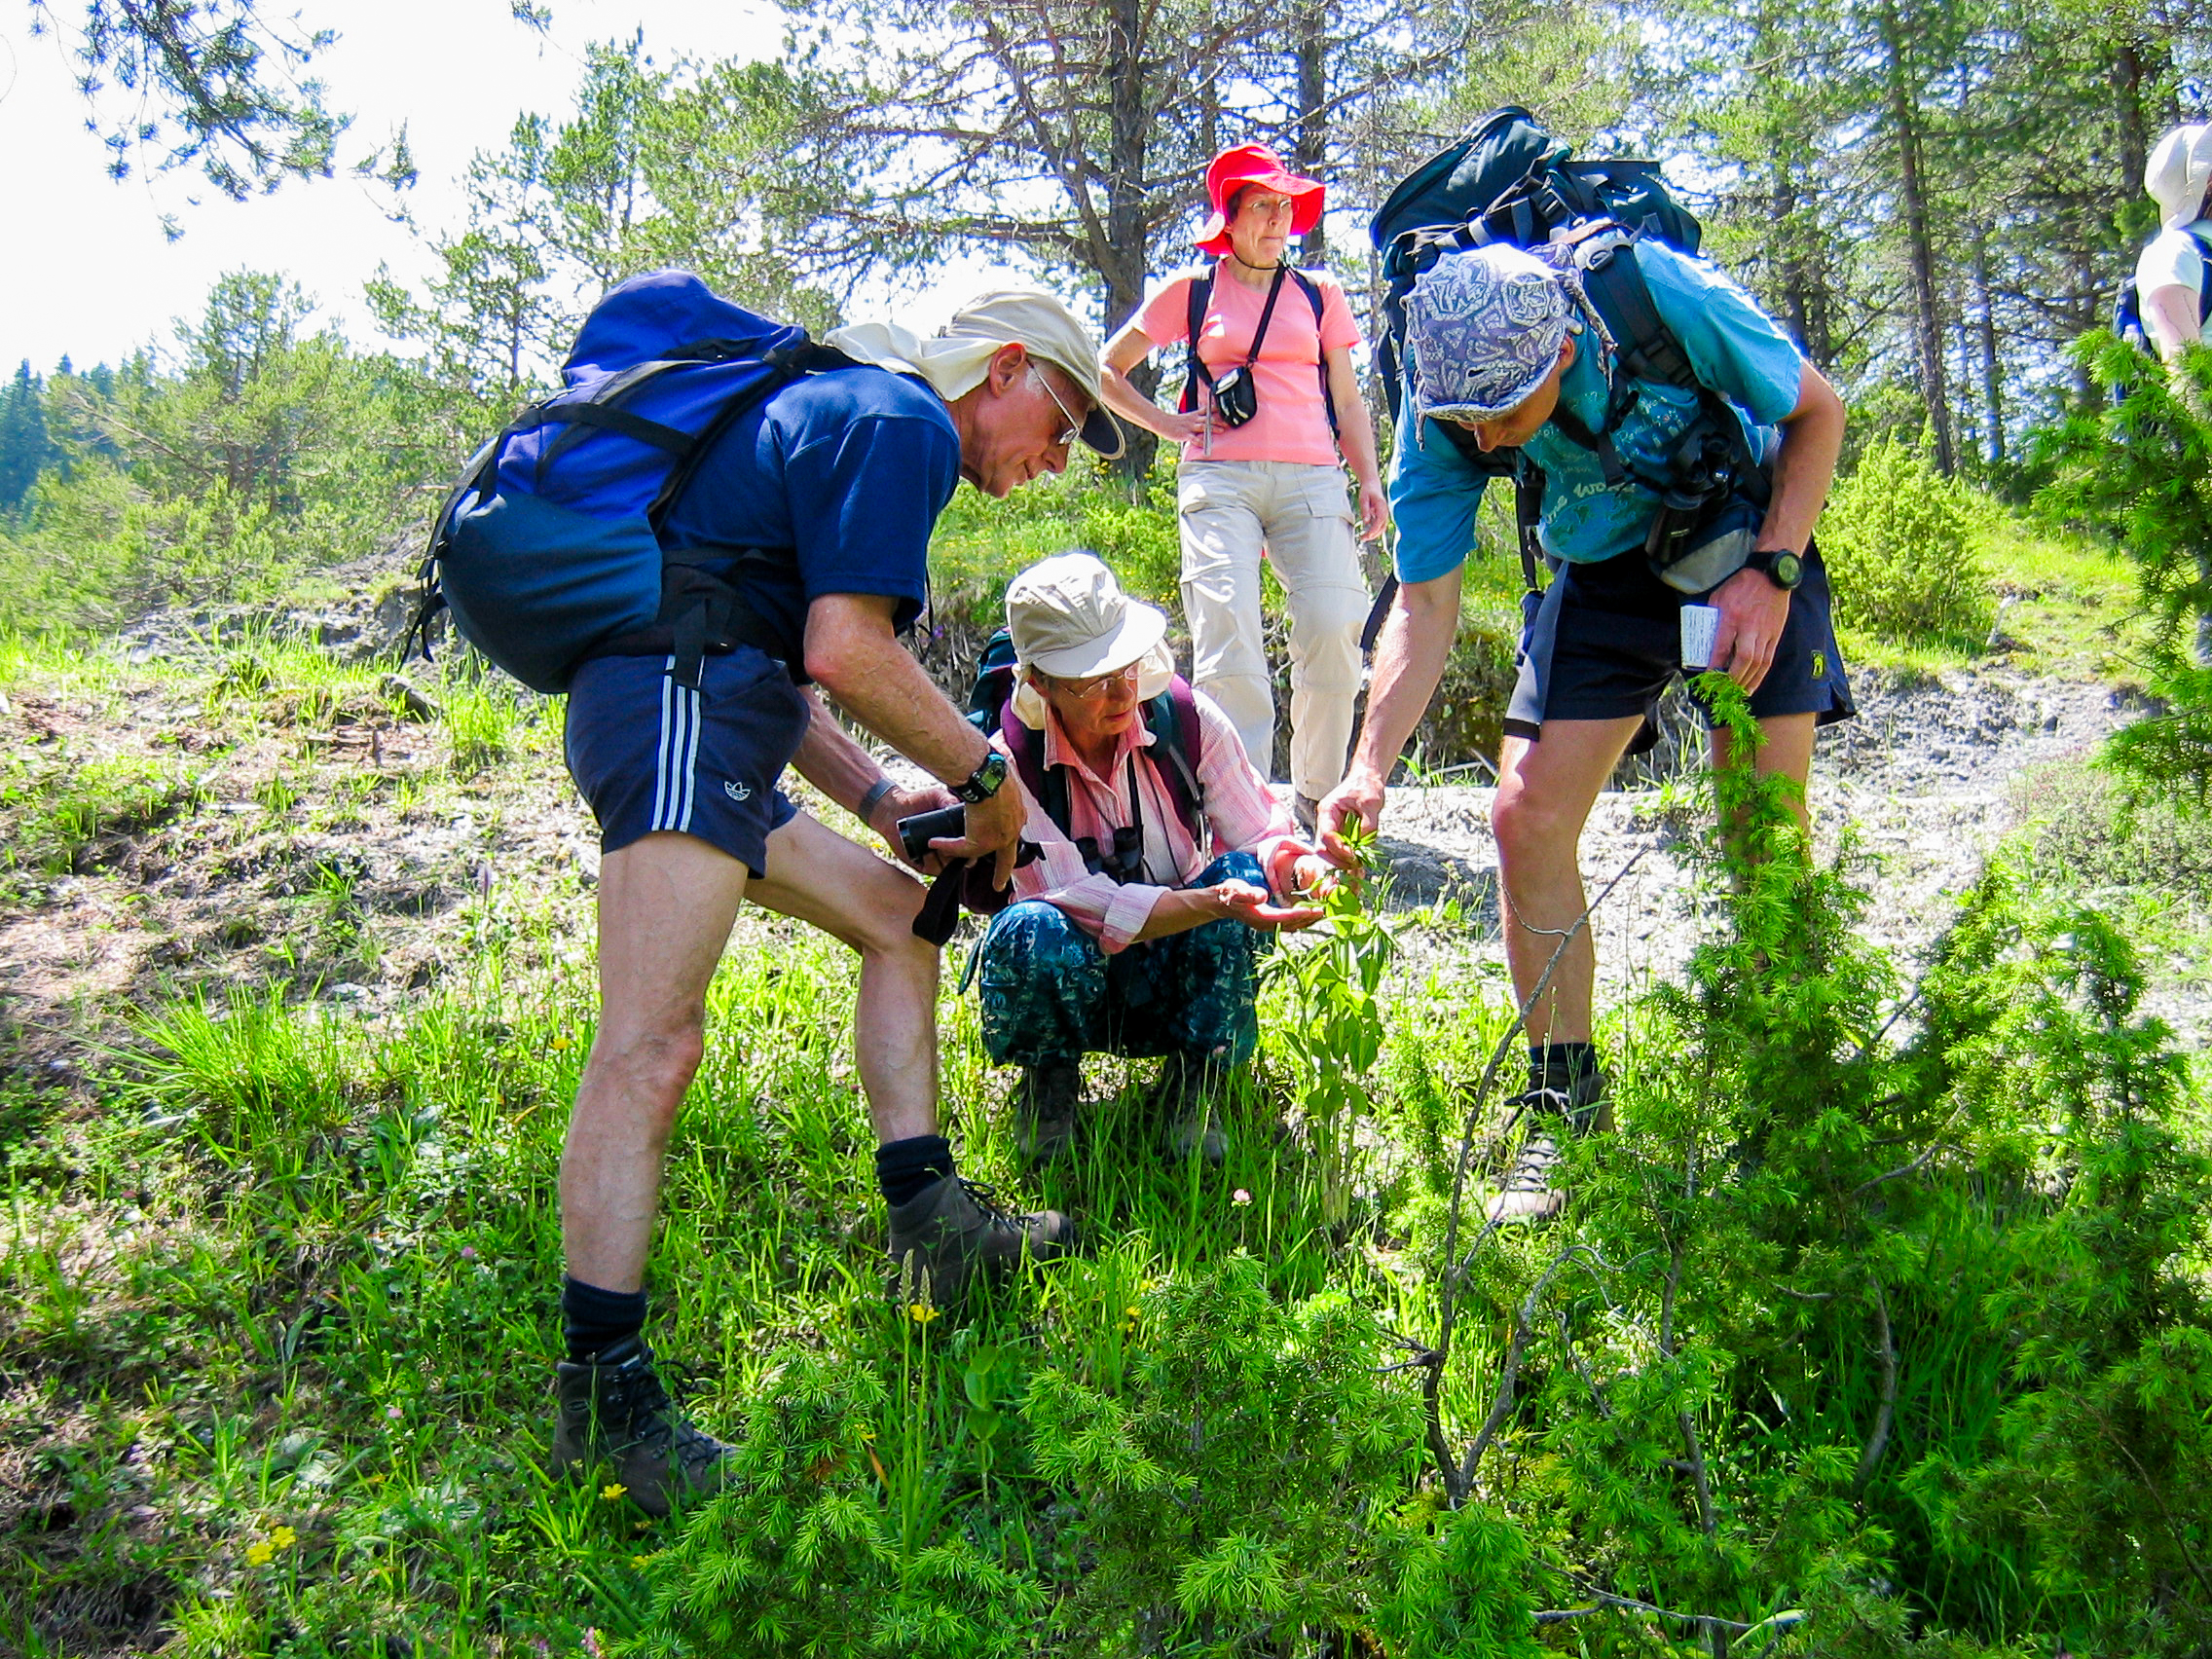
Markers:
2127,72
1920,249
1122,268
1992,370
1311,151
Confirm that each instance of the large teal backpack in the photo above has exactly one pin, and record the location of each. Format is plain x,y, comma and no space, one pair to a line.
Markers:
1511,181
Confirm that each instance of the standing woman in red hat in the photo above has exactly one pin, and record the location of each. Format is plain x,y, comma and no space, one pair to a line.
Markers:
1272,400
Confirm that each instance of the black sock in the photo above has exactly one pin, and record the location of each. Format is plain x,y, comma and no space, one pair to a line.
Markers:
904,1168
594,1320
1561,1066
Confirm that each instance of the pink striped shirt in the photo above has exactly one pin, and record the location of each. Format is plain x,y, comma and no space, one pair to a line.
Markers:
1241,813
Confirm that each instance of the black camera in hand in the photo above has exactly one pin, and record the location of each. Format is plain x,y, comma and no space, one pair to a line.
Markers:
915,833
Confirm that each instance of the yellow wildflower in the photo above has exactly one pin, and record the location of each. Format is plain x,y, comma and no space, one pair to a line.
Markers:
921,1312
259,1552
641,1559
612,1491
284,1538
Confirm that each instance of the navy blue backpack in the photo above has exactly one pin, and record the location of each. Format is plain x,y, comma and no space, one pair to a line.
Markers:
548,550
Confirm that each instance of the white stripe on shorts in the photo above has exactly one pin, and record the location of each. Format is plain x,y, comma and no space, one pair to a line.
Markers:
660,759
691,782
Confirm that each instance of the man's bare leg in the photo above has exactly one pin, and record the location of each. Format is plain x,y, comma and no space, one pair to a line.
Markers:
1788,751
940,1231
816,875
666,903
1545,790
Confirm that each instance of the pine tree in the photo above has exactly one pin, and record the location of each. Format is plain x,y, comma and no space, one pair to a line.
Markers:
25,447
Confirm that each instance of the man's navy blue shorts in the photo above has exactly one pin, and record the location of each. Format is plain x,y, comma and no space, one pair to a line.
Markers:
651,754
1604,642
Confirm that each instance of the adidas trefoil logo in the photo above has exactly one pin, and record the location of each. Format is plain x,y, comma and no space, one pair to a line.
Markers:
737,792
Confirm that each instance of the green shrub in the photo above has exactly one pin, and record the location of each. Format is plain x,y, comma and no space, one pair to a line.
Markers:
1901,542
2081,832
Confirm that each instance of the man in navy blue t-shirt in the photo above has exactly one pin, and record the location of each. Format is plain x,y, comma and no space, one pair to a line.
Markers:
825,496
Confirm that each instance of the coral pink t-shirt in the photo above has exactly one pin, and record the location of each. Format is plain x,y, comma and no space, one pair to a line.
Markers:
1293,421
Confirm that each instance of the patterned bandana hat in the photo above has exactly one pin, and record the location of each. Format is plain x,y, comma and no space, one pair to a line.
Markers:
1483,329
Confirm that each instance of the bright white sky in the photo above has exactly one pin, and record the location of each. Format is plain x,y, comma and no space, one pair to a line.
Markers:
90,273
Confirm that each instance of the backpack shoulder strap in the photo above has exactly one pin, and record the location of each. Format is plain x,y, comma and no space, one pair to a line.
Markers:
1172,717
1313,297
1047,785
1194,373
1648,349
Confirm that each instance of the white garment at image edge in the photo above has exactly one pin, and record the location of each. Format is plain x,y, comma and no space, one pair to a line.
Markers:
2172,259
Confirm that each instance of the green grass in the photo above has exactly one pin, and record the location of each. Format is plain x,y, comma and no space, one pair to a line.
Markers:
296,1273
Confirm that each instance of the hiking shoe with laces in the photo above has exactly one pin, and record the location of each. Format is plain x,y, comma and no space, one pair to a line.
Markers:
1189,1096
616,1413
1527,1194
1045,1107
953,1230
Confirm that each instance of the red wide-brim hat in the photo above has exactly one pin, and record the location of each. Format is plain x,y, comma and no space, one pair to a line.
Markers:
1255,163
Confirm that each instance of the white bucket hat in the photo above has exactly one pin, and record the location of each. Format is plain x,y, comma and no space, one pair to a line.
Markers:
1069,618
2178,174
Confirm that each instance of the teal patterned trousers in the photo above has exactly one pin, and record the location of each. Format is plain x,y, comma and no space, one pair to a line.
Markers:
1050,993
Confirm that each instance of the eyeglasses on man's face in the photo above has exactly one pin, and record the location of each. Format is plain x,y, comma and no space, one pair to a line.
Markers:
1074,426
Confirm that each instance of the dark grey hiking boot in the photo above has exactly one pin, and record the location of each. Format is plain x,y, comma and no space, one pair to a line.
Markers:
1528,1193
1045,1107
953,1230
615,1414
1189,1098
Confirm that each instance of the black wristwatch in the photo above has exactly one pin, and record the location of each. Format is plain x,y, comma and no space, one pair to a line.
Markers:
1780,565
983,782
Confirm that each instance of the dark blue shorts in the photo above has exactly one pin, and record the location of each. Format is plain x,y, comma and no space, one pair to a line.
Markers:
651,754
1604,642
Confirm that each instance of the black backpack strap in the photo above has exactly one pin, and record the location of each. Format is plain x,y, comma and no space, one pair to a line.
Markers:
1529,517
1195,371
1312,290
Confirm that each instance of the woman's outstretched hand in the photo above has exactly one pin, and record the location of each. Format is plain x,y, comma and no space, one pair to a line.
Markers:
1242,901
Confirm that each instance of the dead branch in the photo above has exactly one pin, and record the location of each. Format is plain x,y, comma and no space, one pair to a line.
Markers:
1878,1443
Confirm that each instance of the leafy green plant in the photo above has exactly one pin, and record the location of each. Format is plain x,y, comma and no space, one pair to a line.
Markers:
1337,1023
1903,546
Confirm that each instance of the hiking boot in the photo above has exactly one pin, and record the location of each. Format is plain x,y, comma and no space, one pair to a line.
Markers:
1045,1107
953,1230
1307,810
1189,1097
1528,1195
616,1413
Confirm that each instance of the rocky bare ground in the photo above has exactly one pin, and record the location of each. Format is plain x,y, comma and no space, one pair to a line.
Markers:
397,861
1924,785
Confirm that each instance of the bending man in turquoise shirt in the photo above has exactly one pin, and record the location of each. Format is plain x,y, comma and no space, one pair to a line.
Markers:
1504,350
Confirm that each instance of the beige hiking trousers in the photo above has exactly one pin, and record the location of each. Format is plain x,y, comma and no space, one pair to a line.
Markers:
1302,514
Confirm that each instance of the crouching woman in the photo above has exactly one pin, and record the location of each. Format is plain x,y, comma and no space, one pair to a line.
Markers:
1165,860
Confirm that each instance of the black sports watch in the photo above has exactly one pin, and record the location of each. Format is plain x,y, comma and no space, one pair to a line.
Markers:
1780,565
983,782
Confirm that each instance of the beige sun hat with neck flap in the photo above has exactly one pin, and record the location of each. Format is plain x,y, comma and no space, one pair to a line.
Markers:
955,359
1070,620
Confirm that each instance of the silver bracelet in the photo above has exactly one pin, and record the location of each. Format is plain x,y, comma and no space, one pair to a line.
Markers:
873,798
